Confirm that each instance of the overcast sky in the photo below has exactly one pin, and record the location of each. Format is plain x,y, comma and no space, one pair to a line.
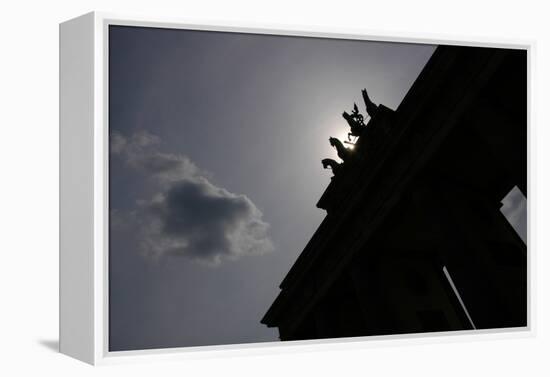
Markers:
216,142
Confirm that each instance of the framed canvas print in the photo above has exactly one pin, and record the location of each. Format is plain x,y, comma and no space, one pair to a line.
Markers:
225,188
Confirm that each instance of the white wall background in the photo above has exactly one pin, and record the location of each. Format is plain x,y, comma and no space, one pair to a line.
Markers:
29,186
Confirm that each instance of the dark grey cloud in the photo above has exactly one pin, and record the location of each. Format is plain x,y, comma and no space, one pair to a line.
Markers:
188,216
514,208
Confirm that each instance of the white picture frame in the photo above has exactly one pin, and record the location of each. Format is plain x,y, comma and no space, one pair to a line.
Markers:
84,193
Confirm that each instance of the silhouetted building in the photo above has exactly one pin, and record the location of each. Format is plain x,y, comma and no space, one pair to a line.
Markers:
414,239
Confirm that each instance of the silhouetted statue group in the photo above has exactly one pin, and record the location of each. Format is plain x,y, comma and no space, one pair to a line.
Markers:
357,125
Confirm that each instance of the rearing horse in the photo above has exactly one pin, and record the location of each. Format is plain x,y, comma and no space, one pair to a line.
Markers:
343,152
356,128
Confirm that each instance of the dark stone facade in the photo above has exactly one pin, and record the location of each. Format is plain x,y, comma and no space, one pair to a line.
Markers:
414,239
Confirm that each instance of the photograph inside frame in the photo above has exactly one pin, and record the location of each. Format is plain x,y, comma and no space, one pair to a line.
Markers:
267,188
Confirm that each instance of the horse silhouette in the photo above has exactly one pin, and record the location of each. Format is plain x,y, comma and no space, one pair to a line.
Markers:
333,165
356,128
343,152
